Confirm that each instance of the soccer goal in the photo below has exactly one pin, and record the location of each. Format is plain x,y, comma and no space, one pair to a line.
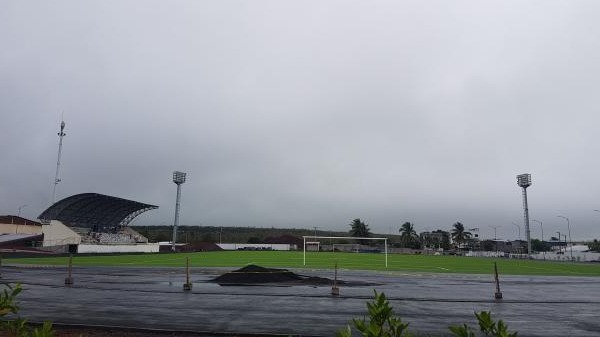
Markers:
313,242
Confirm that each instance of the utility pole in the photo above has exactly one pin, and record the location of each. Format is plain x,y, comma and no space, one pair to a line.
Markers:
543,243
519,228
495,240
570,241
20,208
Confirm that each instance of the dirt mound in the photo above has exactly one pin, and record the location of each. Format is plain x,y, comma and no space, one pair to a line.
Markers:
256,274
253,274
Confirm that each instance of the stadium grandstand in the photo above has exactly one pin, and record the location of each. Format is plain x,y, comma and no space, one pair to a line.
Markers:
94,223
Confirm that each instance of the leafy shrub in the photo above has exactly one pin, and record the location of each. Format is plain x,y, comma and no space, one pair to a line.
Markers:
18,327
382,322
487,326
7,300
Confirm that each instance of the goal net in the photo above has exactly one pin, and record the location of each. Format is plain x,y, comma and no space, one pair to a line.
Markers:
311,243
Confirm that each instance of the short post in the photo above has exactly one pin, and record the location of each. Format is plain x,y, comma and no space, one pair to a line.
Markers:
304,250
69,279
498,294
335,291
187,286
386,252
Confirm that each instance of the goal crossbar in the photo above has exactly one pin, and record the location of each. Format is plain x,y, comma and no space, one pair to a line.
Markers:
314,237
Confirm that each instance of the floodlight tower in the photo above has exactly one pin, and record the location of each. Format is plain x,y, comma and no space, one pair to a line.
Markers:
178,178
61,134
524,181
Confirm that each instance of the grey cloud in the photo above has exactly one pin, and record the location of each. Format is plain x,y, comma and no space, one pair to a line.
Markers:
307,113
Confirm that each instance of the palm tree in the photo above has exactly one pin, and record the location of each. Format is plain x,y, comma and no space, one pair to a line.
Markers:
359,229
408,235
459,235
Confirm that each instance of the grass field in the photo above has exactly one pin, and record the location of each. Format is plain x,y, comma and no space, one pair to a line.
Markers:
326,260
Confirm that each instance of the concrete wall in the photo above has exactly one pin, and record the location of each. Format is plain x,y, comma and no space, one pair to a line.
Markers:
257,246
56,234
577,256
548,256
143,248
7,228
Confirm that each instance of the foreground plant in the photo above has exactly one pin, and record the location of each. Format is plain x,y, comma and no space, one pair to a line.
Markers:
382,322
8,303
487,326
18,327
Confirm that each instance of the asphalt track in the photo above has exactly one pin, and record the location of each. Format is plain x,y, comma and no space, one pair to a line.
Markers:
153,298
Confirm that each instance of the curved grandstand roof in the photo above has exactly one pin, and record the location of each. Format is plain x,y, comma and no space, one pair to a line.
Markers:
90,209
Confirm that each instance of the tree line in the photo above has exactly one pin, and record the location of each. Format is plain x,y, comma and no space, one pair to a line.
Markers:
458,237
410,239
229,234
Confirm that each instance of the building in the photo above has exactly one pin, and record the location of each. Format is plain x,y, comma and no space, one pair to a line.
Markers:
94,223
438,239
11,224
18,233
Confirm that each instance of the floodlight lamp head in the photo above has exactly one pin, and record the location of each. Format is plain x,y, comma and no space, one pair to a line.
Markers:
524,180
178,177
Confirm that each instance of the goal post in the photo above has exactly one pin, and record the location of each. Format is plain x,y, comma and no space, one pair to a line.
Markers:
314,240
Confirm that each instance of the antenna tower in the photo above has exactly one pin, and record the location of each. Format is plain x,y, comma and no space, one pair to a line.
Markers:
61,134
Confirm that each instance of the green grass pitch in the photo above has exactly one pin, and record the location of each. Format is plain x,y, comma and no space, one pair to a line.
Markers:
327,260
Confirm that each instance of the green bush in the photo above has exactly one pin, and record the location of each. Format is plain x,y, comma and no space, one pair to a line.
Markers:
18,327
7,300
382,323
487,326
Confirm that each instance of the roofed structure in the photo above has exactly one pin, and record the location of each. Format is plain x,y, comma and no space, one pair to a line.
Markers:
17,220
95,210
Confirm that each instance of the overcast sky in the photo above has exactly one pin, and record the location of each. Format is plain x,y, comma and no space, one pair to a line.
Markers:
308,113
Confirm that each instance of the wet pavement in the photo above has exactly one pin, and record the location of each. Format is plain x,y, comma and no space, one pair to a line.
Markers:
153,298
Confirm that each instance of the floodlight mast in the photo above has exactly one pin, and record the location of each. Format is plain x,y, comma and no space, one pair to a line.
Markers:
524,181
178,178
61,134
